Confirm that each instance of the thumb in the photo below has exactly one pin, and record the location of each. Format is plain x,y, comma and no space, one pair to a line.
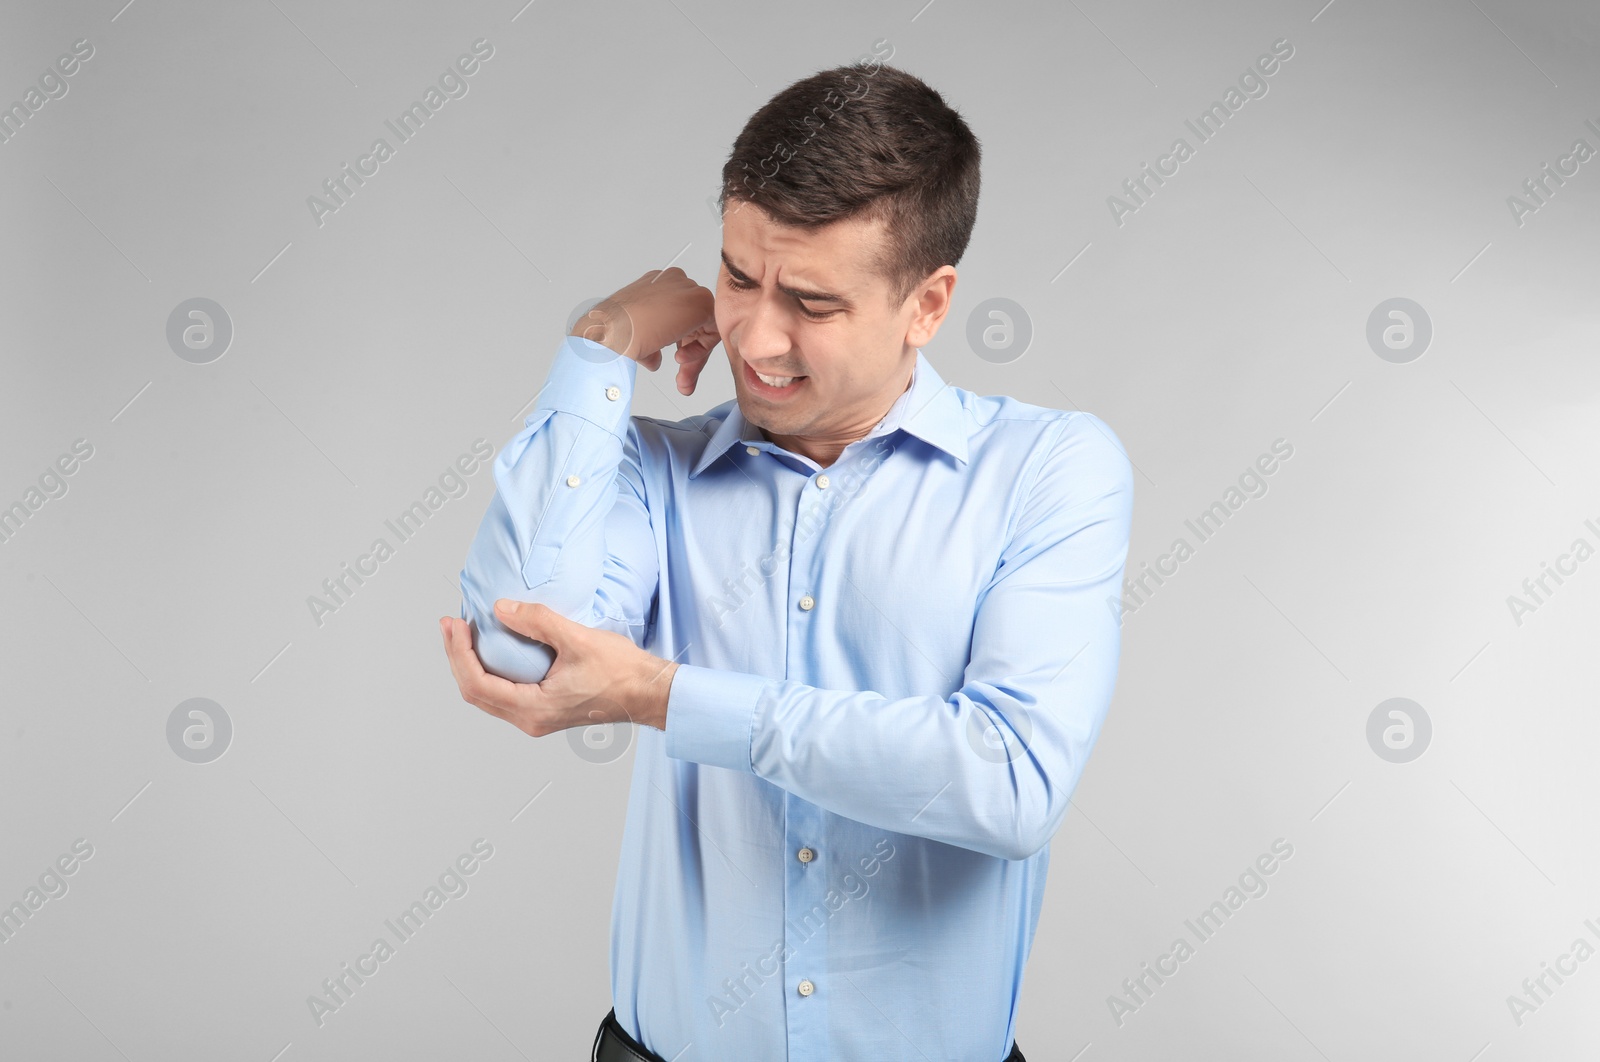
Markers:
532,618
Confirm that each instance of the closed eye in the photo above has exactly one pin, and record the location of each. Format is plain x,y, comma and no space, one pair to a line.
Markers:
812,314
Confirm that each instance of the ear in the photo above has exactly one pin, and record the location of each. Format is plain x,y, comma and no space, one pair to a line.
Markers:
930,303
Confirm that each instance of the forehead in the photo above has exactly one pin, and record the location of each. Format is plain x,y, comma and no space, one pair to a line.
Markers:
838,256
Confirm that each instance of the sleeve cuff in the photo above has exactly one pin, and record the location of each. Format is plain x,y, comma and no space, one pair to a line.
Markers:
710,716
580,382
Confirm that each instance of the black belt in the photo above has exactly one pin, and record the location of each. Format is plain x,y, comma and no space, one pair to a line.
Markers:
613,1044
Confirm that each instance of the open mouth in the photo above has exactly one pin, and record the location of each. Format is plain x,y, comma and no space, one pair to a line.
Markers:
774,387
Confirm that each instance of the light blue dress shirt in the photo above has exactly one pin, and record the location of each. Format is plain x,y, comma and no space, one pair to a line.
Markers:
893,672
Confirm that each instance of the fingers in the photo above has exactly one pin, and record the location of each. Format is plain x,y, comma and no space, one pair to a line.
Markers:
688,377
692,355
493,694
465,667
690,373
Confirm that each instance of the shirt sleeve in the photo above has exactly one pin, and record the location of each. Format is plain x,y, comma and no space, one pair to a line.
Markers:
993,766
569,523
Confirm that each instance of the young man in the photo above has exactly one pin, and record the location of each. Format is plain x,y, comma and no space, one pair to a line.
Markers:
863,617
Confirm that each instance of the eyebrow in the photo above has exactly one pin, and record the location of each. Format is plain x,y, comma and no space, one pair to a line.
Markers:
798,293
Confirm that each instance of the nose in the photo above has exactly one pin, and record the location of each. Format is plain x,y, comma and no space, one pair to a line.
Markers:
763,337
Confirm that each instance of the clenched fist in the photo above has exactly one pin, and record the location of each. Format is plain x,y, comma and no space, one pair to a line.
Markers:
663,306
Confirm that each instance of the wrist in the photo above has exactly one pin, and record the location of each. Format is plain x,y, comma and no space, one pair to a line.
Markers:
652,688
596,327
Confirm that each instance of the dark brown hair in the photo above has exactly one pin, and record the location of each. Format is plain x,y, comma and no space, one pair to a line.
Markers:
864,140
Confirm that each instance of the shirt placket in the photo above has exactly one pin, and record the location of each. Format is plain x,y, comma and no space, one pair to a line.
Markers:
807,854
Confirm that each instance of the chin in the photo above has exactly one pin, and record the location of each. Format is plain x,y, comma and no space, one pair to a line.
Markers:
760,418
764,421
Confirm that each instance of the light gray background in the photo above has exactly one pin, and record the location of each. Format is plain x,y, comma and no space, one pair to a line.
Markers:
368,353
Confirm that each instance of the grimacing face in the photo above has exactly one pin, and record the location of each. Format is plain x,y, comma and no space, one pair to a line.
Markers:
792,302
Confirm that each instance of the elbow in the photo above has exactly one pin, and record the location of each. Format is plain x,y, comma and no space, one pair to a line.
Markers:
510,655
1025,844
1025,838
1034,825
1038,827
502,651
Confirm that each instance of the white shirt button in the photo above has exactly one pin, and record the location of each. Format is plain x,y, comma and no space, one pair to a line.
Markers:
573,481
613,393
807,601
806,855
751,450
806,988
822,481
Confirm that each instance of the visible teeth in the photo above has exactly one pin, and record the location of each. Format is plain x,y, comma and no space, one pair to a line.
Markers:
777,381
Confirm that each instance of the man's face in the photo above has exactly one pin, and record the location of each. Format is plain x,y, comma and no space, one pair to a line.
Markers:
791,302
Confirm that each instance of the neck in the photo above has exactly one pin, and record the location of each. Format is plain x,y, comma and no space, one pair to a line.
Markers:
826,450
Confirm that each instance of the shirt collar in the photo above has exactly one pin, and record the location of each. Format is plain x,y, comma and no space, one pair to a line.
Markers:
930,409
